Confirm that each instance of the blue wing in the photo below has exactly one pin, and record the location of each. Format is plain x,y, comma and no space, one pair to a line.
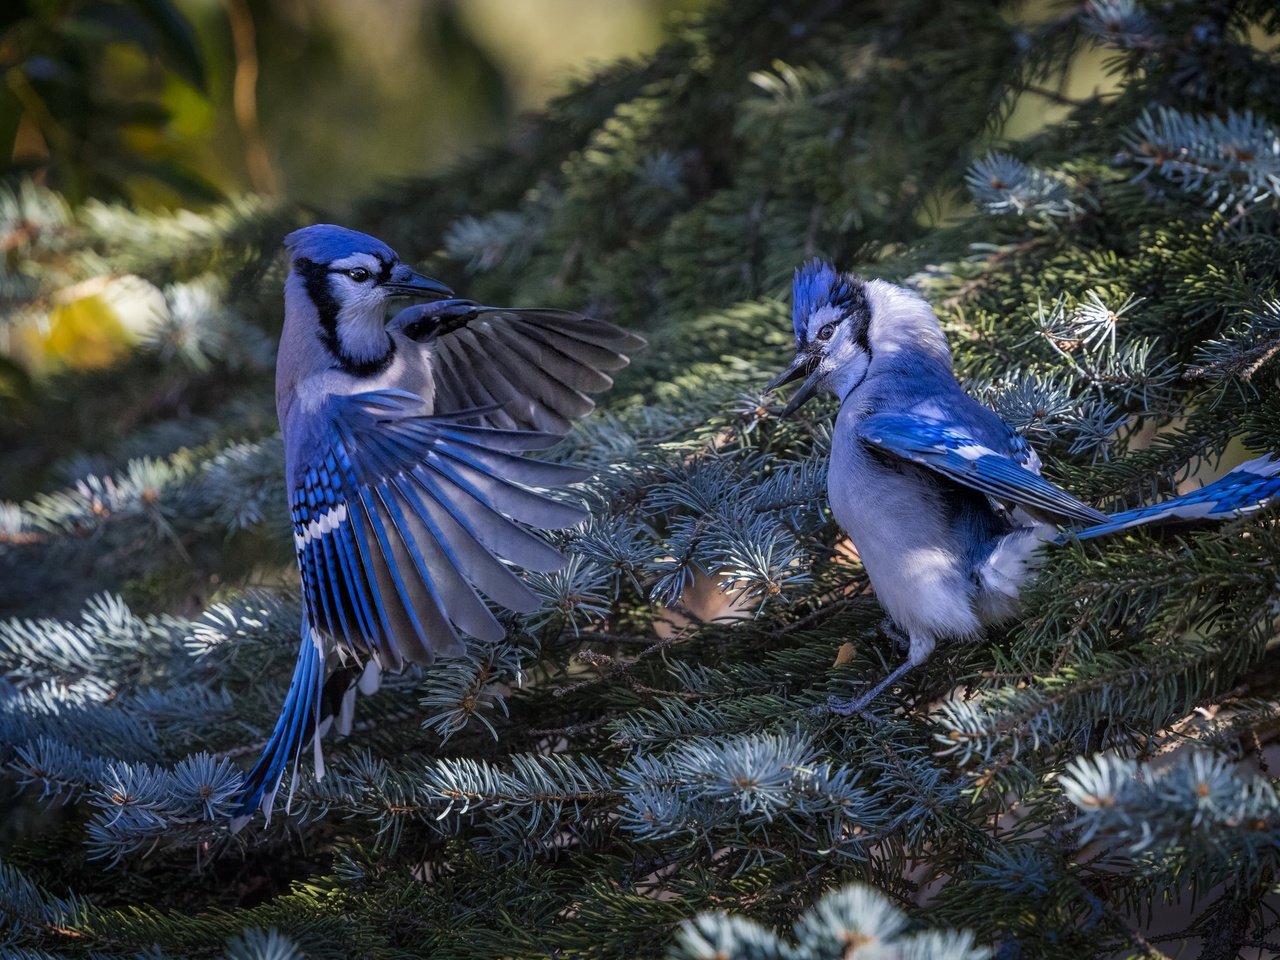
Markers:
999,470
1249,487
403,523
405,519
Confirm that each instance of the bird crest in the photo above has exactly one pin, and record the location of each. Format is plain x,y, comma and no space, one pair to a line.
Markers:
326,242
811,288
817,284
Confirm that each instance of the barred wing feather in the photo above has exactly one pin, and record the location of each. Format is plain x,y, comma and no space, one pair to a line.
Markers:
948,449
404,523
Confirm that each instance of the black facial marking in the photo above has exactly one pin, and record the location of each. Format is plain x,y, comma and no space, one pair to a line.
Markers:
849,296
384,271
861,336
315,277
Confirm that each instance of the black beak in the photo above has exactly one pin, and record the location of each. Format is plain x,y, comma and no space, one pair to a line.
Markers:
406,283
803,365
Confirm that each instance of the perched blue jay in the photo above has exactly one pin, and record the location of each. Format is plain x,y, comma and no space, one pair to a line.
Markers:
942,499
408,495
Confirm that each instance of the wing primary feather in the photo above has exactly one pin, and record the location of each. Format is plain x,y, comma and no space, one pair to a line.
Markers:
454,594
531,395
948,450
357,595
573,371
579,344
500,493
419,595
313,581
361,598
474,559
531,366
394,617
590,329
372,498
469,368
454,389
335,586
507,467
360,535
495,438
476,353
499,534
491,459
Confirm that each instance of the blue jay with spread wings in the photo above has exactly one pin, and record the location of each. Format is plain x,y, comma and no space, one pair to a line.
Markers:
411,502
942,499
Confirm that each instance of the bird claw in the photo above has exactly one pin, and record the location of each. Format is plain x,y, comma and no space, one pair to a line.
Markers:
848,706
845,707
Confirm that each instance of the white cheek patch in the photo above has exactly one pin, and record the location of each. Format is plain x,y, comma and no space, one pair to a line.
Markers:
358,299
328,522
361,320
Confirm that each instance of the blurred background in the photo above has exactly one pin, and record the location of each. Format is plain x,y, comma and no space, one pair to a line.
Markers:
176,102
136,134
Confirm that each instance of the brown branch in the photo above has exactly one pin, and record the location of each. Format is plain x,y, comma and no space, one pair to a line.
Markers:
245,97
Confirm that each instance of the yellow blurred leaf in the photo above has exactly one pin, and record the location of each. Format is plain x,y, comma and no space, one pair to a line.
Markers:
84,333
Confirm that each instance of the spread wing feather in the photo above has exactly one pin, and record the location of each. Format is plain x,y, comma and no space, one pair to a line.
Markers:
404,523
536,367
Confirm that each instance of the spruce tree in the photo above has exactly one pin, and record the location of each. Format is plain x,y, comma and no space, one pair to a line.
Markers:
644,768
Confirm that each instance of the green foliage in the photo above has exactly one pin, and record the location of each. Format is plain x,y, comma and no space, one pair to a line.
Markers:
645,748
83,102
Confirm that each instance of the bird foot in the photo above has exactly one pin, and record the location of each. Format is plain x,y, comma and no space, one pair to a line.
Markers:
848,706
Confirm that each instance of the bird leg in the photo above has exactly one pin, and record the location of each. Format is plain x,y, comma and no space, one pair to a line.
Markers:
846,706
919,645
895,633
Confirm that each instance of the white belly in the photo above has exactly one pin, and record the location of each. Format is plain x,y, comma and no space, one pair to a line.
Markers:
918,570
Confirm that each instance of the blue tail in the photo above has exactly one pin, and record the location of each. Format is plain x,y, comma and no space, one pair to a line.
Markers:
1249,487
299,717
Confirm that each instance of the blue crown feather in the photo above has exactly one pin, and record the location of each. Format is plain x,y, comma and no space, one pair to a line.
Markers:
812,287
326,242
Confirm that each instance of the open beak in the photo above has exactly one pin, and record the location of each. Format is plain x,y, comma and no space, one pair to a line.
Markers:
406,283
803,365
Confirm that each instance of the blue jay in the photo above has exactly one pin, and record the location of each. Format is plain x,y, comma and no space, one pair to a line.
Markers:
409,498
942,499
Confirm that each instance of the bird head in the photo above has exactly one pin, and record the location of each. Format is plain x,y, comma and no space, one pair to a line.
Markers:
842,322
831,315
348,278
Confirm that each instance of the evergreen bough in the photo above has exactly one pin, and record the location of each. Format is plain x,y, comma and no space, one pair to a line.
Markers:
645,749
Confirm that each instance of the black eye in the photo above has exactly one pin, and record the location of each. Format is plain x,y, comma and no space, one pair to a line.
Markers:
827,332
359,274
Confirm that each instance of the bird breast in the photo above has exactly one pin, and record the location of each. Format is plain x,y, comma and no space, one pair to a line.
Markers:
899,525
